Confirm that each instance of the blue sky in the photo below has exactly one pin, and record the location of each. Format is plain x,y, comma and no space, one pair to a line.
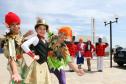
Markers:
76,13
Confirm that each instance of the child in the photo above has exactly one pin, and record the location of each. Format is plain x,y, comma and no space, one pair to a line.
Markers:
38,72
80,53
89,49
59,55
12,48
100,52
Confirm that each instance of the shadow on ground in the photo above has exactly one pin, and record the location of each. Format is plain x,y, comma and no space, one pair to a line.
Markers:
120,67
84,71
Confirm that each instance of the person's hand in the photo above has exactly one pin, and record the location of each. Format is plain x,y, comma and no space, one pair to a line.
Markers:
16,77
30,53
80,72
36,57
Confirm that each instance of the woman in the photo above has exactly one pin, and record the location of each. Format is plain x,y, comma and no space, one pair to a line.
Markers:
12,48
89,49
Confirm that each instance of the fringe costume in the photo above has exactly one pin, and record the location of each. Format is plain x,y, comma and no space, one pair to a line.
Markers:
58,59
12,50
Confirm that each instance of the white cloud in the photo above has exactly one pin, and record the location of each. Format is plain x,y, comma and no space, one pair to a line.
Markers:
76,13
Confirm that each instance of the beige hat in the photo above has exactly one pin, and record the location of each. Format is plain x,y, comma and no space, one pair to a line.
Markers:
41,21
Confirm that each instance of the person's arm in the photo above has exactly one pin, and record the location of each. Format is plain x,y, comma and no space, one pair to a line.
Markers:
15,75
93,48
10,53
70,63
106,44
26,44
74,66
76,50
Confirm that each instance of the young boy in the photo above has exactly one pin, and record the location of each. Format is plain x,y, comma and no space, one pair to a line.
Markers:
59,55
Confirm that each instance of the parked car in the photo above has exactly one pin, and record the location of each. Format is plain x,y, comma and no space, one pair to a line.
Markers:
120,56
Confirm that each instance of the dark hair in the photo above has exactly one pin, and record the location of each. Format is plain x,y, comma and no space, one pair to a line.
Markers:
37,25
99,40
88,43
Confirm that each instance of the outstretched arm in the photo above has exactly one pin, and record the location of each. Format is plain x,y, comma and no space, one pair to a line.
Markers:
72,65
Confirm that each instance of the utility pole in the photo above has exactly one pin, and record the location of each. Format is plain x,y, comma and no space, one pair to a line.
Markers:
110,24
93,29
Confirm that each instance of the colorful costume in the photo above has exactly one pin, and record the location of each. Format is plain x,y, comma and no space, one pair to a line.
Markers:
12,46
12,50
38,72
100,52
89,49
59,55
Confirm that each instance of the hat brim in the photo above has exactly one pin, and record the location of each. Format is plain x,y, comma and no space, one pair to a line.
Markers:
37,25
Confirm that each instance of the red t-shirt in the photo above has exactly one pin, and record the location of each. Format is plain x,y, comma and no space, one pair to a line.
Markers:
72,49
100,49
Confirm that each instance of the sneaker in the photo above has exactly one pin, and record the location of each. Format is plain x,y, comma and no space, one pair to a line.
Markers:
89,69
100,71
71,70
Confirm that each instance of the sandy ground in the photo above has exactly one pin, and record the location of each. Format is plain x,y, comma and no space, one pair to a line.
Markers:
115,75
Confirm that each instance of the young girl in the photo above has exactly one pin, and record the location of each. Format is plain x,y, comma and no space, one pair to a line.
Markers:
12,48
89,49
38,72
59,55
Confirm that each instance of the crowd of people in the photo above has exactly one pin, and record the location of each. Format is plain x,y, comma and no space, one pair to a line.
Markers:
50,55
85,50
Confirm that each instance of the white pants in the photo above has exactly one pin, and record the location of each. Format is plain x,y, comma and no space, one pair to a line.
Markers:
100,63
